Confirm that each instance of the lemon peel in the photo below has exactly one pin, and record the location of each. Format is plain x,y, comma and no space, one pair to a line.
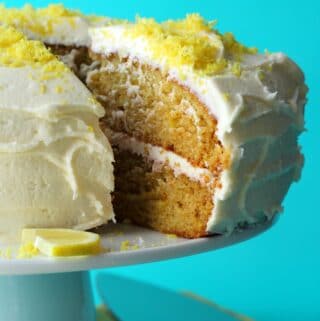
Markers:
63,242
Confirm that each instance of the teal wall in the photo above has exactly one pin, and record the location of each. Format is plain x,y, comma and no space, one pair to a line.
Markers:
277,275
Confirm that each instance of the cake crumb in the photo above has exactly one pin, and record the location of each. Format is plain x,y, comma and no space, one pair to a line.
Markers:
6,253
90,129
236,69
27,251
59,89
127,246
171,236
43,89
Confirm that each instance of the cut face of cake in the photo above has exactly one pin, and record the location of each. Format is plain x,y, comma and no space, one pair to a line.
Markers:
204,130
55,162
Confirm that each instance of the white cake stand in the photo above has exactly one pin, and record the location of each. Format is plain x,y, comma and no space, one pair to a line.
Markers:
36,290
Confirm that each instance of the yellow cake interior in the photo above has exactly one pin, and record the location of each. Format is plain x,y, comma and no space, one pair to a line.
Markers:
142,102
157,112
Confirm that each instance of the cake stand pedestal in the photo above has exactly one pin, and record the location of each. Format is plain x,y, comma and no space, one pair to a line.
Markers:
52,297
51,289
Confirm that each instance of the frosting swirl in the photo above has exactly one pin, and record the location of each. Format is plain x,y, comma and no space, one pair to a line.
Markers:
55,163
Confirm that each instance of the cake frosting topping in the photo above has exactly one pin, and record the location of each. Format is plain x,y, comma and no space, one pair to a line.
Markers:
54,24
18,52
55,163
188,44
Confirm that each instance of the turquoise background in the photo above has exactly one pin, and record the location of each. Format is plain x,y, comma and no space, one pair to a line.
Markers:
277,275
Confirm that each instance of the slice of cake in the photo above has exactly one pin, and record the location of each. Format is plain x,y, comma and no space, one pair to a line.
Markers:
204,129
55,162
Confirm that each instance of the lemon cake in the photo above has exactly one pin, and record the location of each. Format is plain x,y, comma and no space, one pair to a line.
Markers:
204,129
55,162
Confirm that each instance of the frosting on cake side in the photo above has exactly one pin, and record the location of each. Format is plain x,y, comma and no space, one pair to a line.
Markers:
55,163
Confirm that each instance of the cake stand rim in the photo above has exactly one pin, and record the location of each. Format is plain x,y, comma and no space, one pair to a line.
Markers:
36,266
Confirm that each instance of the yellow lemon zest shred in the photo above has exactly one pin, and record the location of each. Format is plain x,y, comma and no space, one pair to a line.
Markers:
16,51
191,42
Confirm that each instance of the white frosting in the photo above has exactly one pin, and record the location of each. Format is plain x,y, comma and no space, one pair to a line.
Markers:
23,88
71,29
68,31
55,162
259,114
64,31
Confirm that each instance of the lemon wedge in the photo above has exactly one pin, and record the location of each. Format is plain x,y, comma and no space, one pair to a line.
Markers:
62,242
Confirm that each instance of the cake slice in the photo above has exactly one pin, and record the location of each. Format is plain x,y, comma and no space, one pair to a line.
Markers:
55,162
204,129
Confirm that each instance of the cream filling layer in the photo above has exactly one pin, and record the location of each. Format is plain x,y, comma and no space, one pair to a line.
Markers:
248,192
160,157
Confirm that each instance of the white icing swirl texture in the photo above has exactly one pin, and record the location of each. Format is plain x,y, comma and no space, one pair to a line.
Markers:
55,163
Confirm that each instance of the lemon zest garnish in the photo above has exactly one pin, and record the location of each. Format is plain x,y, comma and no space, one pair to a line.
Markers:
183,42
235,48
190,42
16,51
59,89
43,89
226,96
42,21
6,253
27,251
127,246
39,21
90,129
92,100
171,236
236,69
